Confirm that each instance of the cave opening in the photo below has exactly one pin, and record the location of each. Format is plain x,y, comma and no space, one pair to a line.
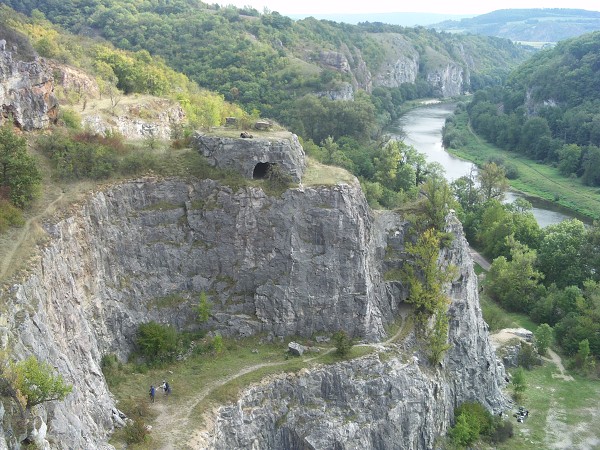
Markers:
261,170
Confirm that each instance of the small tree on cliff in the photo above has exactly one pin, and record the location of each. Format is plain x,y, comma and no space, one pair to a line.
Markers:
426,279
31,382
19,176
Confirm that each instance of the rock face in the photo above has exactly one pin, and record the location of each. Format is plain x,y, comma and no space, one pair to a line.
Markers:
309,262
252,157
391,402
153,118
26,92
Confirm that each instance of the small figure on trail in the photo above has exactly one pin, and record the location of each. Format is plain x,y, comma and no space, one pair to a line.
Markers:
166,388
152,393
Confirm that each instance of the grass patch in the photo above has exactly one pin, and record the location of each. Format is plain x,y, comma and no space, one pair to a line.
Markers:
318,174
562,414
393,275
212,379
538,180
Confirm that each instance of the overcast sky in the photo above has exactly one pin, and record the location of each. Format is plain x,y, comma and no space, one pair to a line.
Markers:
287,7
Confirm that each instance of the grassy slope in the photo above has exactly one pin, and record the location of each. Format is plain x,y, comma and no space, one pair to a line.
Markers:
535,179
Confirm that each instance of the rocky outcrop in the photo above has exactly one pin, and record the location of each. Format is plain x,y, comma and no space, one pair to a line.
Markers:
152,118
26,92
401,63
308,262
297,264
447,80
75,83
252,157
392,399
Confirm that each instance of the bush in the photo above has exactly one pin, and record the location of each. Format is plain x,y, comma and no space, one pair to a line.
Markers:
112,370
136,432
10,215
343,343
70,118
477,416
528,357
157,343
503,430
277,179
38,382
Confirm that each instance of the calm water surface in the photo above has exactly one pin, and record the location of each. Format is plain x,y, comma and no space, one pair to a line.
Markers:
422,128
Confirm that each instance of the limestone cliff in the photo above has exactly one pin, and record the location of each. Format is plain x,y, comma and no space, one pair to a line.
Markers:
26,91
389,400
310,261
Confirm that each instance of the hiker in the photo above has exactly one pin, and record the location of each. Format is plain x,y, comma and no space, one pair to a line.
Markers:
166,388
152,393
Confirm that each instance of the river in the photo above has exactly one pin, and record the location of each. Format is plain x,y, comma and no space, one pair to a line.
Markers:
422,128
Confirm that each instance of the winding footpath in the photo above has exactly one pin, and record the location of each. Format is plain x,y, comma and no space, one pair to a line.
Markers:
23,233
178,423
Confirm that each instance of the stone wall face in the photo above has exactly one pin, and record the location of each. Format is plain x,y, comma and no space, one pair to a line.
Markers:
243,155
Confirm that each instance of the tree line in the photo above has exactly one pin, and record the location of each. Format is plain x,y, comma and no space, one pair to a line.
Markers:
547,110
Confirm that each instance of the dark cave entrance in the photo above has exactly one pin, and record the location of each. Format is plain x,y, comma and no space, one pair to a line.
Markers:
261,170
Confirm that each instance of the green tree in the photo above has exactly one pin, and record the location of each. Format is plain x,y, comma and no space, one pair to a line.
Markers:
560,253
204,308
343,343
463,433
19,176
438,199
426,279
514,284
519,384
492,181
217,344
543,338
157,343
38,382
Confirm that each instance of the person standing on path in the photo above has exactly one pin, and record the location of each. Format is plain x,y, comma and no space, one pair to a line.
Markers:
152,393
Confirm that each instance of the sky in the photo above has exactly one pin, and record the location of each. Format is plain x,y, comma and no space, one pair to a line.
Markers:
458,7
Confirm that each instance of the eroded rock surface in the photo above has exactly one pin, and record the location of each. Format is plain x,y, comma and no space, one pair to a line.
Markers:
311,261
26,92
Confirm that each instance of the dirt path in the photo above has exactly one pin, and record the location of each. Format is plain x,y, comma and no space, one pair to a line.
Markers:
554,358
176,423
479,259
22,235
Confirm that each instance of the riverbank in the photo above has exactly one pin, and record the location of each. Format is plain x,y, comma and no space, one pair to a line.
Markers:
536,180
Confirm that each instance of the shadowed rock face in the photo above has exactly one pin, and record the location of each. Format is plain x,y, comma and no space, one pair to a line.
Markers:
26,92
310,261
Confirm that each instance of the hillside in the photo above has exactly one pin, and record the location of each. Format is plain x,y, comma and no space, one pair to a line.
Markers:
268,61
547,109
535,26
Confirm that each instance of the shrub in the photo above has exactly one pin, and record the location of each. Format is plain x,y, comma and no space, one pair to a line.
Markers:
343,343
136,432
277,179
503,430
10,215
70,118
157,343
528,357
204,308
38,382
217,344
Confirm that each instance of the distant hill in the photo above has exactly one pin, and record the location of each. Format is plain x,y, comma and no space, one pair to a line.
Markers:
528,25
405,19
